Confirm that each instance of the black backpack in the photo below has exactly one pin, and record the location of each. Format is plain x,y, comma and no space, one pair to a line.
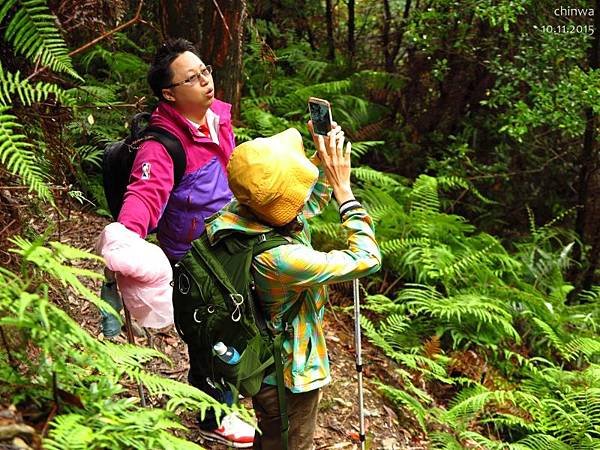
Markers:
118,157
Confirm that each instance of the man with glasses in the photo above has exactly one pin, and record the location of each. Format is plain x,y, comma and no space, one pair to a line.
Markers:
188,109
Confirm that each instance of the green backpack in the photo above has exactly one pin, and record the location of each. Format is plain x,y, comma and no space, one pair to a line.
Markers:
213,302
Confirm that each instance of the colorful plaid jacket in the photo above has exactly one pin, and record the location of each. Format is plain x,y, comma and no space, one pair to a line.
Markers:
298,273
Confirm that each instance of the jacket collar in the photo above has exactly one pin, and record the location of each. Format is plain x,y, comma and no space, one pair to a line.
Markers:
231,219
168,117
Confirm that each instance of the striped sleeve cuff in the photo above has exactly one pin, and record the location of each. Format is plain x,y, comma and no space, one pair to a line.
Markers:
349,206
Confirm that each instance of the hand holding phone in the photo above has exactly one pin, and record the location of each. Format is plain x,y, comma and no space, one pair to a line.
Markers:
320,114
335,160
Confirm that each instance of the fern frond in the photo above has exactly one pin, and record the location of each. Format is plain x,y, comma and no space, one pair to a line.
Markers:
121,64
8,4
511,421
412,404
89,154
425,195
362,148
34,34
383,206
542,442
592,295
383,305
539,232
467,261
376,177
453,182
94,94
588,347
551,334
52,261
462,309
265,122
378,80
117,424
474,401
28,93
442,440
313,69
325,89
354,111
69,431
371,332
17,157
400,245
483,443
126,355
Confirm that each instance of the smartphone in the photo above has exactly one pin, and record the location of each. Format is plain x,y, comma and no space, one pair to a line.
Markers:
320,114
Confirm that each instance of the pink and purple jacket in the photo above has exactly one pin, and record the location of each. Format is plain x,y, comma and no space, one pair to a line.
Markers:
178,215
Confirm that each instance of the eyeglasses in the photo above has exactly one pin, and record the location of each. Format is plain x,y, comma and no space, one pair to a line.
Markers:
193,79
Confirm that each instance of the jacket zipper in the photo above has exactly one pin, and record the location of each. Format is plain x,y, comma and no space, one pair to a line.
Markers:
192,230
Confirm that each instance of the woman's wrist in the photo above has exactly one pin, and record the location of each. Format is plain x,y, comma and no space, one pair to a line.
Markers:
343,195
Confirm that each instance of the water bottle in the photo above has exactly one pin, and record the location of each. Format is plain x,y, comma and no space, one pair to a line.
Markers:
228,355
111,326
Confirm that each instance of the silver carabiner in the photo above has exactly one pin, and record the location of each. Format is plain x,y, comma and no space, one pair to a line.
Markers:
238,300
184,286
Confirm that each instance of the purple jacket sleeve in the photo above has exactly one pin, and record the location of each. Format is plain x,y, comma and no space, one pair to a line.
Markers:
149,188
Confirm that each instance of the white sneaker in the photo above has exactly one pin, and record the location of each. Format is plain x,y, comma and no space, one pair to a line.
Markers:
233,432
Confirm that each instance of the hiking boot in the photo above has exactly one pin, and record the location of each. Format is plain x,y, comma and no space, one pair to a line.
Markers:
233,432
111,326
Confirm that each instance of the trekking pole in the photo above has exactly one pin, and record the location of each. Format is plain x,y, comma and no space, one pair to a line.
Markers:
131,340
113,297
357,350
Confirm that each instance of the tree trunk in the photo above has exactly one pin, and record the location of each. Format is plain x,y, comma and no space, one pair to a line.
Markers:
221,45
401,30
351,42
388,60
587,224
180,19
303,30
330,37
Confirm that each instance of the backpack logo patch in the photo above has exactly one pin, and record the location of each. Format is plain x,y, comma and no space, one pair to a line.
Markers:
146,171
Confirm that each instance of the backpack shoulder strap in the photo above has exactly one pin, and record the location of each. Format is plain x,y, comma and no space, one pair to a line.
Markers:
213,264
174,148
267,241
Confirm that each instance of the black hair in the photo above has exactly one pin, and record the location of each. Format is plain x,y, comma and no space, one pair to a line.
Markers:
291,228
160,74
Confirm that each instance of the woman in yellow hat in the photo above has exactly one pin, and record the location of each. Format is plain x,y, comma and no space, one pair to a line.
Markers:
277,187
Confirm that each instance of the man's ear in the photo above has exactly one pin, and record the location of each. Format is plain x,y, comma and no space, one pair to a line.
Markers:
168,95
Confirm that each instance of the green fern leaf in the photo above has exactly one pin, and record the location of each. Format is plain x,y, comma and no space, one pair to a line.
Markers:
18,158
376,177
34,34
543,442
425,195
445,441
8,4
69,432
362,148
28,93
406,400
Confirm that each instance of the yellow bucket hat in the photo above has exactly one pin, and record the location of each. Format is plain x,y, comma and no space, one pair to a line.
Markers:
272,176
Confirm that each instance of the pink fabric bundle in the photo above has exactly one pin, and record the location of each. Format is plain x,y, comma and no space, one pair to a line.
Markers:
143,274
